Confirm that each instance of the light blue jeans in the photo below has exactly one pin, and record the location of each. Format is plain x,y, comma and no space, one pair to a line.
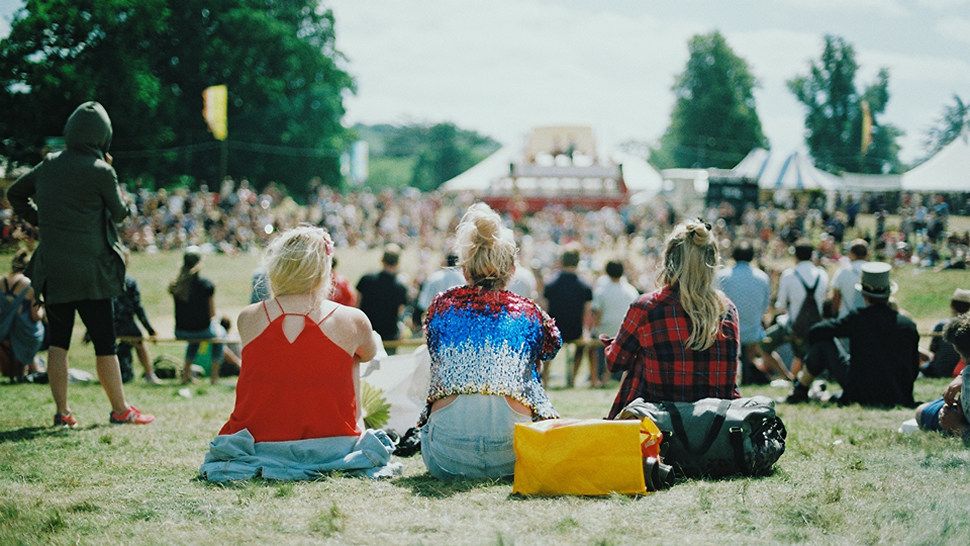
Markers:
471,438
215,330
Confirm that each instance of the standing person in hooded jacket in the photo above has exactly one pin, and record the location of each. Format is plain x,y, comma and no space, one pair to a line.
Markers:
78,265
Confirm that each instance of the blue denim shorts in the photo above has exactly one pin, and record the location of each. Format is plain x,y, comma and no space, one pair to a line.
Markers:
929,418
215,330
471,438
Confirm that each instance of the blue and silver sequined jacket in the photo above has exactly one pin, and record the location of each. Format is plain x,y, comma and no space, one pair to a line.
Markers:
489,342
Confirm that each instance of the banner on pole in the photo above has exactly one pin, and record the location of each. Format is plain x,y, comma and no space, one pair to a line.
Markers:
214,103
866,127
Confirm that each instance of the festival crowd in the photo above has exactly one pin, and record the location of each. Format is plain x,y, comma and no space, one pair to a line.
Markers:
668,321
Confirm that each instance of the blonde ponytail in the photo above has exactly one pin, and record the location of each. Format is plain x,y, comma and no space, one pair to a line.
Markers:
690,260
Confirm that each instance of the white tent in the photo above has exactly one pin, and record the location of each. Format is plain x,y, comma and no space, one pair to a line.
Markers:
753,165
793,172
638,175
480,177
948,170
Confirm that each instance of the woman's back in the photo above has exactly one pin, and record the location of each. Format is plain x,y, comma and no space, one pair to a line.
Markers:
490,341
661,365
295,383
192,313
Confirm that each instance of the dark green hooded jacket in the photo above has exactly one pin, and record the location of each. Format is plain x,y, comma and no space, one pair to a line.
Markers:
76,202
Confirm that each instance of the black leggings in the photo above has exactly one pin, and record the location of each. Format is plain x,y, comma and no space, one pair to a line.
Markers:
97,316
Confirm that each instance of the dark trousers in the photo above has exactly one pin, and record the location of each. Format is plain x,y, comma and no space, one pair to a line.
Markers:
750,374
125,361
830,356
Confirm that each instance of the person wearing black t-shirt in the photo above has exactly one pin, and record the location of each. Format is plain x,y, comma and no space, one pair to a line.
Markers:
383,296
569,303
195,309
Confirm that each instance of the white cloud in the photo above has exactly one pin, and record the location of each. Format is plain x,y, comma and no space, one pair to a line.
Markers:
507,66
942,5
955,28
872,8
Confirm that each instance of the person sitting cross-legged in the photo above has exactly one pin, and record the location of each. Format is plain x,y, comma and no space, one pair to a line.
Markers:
487,346
951,414
880,366
945,355
680,343
297,410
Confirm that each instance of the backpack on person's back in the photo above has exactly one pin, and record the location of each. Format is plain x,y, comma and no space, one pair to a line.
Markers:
809,314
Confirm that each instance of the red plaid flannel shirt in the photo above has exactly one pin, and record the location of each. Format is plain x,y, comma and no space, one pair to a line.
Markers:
651,348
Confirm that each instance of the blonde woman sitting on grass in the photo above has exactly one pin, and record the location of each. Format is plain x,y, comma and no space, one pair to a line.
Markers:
487,346
297,410
679,343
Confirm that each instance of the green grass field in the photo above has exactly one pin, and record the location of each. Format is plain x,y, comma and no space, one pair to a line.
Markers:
847,476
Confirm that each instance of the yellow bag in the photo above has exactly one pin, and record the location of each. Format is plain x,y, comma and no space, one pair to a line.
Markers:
582,457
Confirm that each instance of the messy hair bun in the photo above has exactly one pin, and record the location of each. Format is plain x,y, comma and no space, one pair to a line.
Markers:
699,233
486,248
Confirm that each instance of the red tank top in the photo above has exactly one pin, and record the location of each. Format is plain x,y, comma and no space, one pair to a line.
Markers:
294,391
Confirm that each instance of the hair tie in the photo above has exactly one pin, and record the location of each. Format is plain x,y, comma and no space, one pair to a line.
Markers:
327,244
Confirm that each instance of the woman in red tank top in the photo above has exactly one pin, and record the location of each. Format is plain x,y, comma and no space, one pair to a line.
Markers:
299,378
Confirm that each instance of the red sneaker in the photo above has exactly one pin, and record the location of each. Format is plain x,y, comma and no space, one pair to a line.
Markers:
131,416
66,420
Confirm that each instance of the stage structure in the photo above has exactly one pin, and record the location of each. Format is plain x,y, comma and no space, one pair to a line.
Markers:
559,165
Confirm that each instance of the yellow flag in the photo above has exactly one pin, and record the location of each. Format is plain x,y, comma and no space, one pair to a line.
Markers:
214,101
866,127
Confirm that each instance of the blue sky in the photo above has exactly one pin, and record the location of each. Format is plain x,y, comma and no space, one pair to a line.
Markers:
505,65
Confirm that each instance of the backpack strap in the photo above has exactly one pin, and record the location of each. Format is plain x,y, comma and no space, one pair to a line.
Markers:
677,422
808,290
736,438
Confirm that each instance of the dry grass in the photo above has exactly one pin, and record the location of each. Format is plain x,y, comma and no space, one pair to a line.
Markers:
847,477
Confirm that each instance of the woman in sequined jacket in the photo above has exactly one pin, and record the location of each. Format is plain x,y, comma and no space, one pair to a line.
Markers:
487,346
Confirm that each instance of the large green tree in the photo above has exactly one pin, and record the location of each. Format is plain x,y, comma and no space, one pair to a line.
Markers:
714,122
834,118
953,121
148,61
420,155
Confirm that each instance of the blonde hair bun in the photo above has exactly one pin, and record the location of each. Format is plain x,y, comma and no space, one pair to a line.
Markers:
486,249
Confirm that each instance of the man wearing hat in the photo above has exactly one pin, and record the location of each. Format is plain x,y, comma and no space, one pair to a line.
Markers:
945,357
882,363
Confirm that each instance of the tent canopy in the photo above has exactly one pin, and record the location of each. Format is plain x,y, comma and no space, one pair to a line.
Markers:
638,175
792,172
948,170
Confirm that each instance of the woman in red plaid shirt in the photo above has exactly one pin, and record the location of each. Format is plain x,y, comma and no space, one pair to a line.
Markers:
679,343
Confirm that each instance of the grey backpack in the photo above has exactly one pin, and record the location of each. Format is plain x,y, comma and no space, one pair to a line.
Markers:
714,437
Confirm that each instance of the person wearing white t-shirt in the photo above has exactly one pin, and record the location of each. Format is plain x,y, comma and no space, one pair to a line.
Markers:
444,279
792,293
845,297
611,301
523,282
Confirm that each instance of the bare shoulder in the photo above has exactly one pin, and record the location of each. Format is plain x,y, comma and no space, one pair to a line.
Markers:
353,316
251,322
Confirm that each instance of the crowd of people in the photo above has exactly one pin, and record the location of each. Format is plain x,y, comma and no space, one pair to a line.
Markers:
669,320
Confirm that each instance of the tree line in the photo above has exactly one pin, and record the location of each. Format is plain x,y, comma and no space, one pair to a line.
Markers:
149,61
714,122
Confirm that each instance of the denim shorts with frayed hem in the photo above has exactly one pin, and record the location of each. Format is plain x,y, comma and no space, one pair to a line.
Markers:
471,438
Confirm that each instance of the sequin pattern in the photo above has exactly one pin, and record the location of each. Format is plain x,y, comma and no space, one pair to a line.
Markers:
488,342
